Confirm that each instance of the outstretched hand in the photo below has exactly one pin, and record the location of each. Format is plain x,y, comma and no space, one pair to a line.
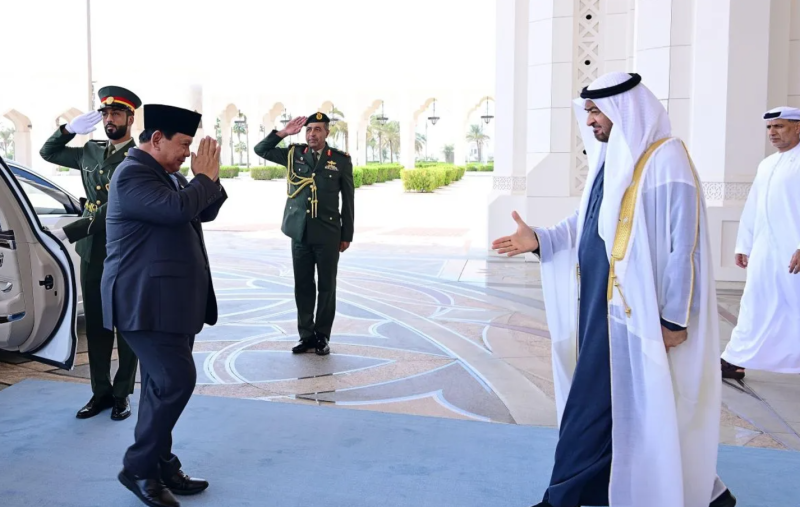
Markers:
522,241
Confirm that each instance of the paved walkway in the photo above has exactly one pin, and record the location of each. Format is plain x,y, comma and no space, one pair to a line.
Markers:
424,326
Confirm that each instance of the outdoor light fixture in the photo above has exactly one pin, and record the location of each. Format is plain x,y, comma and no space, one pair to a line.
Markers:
333,119
433,119
382,119
285,118
487,117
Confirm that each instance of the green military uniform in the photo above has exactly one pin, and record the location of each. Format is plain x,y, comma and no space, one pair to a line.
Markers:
312,219
97,161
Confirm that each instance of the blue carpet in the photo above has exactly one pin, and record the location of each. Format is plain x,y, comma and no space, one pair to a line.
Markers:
281,455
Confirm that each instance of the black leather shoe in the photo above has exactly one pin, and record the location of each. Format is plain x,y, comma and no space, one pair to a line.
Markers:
322,348
181,484
94,407
151,492
543,504
121,409
304,346
726,499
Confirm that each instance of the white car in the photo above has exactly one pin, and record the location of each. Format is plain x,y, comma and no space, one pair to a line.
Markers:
39,289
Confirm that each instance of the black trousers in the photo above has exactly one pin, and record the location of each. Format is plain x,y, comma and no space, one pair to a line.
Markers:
100,341
168,379
306,258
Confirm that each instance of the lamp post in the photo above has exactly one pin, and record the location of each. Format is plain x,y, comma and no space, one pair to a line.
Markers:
382,119
433,119
243,124
90,83
487,117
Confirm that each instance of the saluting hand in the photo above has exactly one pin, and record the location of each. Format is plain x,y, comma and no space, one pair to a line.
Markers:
794,264
85,123
206,161
522,241
294,126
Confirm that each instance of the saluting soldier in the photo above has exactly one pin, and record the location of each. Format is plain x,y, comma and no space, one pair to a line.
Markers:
97,161
316,175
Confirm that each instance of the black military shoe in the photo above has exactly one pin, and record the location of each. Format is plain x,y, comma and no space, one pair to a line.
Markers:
726,499
121,409
181,484
94,407
322,348
151,492
178,482
304,346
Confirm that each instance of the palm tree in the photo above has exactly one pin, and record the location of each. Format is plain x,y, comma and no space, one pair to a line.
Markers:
339,129
239,129
420,143
477,136
392,139
7,142
449,153
241,149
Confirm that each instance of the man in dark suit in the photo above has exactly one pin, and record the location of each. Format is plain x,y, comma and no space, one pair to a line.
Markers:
316,175
157,288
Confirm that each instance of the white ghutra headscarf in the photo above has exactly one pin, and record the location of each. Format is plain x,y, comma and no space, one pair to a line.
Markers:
639,120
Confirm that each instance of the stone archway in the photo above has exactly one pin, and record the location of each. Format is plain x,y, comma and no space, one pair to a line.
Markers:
363,144
21,136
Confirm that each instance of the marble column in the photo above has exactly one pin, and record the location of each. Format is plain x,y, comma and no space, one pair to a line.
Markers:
730,93
508,187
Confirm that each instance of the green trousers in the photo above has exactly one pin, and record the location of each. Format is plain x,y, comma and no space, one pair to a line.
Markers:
101,341
306,259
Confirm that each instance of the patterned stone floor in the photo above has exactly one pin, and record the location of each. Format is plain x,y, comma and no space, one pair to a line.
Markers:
426,323
443,336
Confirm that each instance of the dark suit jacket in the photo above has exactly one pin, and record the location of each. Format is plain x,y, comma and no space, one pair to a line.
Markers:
333,175
156,276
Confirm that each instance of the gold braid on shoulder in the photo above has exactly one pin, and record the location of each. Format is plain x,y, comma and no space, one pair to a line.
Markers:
299,183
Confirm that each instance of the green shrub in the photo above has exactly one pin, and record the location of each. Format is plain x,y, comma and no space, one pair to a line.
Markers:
421,180
272,172
226,172
185,171
473,166
428,179
63,169
358,177
370,175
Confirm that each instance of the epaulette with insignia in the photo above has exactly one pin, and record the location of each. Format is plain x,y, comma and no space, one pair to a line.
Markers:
340,152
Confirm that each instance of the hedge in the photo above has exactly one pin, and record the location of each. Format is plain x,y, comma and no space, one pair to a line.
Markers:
376,173
428,179
473,167
273,172
228,171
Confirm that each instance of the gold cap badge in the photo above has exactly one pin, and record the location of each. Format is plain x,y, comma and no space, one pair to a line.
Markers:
319,116
109,101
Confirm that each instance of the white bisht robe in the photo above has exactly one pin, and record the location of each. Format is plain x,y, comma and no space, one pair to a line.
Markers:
767,336
665,406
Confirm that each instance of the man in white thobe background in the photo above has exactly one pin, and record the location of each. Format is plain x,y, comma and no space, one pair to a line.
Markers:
767,336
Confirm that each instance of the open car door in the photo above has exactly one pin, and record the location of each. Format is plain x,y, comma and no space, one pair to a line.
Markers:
37,283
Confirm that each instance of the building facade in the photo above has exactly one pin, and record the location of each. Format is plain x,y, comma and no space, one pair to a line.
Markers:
716,65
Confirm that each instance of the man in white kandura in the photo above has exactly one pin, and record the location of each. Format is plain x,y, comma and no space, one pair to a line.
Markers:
767,336
632,311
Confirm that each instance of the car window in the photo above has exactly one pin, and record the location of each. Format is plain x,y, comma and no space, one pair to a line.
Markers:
42,198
